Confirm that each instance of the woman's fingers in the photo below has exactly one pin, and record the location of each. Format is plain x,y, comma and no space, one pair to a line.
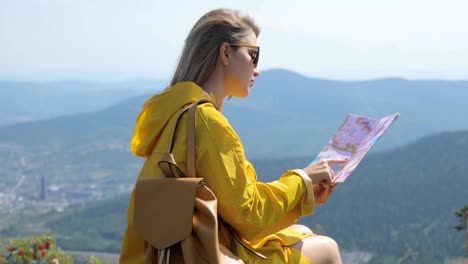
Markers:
328,163
322,193
327,175
327,185
322,172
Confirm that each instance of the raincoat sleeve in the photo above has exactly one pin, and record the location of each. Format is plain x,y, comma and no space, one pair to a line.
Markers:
253,208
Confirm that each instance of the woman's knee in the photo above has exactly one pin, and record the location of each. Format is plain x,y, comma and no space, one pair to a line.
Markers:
319,249
329,242
302,229
319,241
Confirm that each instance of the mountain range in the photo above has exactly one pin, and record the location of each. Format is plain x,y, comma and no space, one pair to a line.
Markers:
30,101
286,114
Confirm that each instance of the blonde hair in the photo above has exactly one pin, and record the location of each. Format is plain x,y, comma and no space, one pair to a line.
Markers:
200,53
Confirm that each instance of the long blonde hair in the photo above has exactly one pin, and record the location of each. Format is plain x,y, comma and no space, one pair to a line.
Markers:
198,58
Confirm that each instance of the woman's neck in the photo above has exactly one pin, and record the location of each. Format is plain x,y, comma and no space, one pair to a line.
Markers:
215,86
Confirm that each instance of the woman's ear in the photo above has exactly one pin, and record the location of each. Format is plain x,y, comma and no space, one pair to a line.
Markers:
223,55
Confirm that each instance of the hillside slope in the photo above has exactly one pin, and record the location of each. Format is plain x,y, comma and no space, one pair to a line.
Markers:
395,200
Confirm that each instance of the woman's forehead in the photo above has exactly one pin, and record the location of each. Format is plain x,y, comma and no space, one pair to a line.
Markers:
250,38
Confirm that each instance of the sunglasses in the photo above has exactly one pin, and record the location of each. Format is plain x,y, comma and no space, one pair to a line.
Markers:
254,57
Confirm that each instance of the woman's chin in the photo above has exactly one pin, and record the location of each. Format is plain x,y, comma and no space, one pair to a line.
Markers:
247,92
249,88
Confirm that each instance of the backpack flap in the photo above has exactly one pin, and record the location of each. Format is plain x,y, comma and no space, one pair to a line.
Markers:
163,209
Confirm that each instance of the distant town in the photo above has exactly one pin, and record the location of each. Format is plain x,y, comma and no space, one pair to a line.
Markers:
28,187
47,197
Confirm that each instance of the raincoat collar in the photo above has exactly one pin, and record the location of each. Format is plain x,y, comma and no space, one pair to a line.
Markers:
158,110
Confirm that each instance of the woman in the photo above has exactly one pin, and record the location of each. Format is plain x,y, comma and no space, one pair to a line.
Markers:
220,60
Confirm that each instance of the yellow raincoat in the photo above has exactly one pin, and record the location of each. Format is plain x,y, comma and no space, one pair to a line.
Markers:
260,212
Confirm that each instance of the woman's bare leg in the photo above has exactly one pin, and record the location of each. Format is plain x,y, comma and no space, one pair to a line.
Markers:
318,249
302,228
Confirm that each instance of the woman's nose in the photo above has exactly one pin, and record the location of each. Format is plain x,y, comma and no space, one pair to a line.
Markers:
256,72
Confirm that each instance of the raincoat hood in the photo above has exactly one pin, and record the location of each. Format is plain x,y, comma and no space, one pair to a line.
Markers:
158,110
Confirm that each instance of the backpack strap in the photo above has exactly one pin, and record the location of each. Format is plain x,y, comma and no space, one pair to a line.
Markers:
191,139
167,163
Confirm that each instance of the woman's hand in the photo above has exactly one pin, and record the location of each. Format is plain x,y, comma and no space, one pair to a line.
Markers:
321,171
322,192
322,177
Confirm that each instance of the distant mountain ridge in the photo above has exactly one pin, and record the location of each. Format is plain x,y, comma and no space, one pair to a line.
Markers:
82,128
30,101
286,114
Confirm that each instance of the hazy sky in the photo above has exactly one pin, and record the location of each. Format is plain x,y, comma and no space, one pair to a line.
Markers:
132,39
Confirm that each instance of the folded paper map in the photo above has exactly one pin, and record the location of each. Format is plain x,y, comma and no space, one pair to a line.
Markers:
354,139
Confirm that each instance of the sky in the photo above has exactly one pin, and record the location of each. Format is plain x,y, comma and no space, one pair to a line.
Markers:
113,40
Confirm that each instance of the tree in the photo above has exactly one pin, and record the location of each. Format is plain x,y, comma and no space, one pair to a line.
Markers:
463,227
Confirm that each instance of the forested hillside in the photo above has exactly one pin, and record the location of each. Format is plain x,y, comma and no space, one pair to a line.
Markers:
396,201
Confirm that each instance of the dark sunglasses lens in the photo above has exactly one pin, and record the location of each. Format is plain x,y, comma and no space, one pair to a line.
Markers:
255,61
